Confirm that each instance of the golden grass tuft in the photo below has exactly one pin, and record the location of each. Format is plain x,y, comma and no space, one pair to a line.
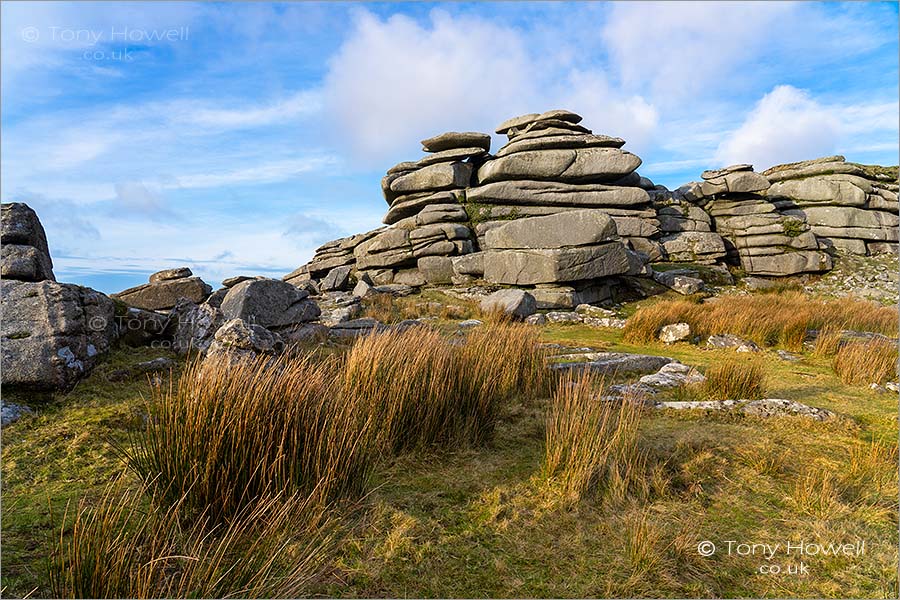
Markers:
862,363
735,379
127,547
423,390
767,319
591,445
228,434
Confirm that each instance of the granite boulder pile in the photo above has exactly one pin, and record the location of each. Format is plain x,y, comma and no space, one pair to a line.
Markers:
53,333
755,234
849,206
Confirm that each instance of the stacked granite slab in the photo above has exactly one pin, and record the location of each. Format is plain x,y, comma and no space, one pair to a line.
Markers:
849,206
687,231
164,289
553,164
427,222
567,256
755,233
335,254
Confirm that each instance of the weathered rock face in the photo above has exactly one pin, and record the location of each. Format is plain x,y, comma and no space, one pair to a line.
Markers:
565,165
847,205
25,253
268,303
165,289
451,215
238,340
575,228
753,231
53,333
552,265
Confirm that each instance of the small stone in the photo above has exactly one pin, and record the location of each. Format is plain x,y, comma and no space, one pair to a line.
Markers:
593,311
468,323
787,356
892,386
536,319
675,332
515,303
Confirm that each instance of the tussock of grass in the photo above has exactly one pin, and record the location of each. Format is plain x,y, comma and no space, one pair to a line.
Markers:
735,379
591,444
767,319
862,363
125,547
828,342
229,434
422,390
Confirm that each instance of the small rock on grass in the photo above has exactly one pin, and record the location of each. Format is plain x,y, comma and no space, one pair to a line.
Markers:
675,332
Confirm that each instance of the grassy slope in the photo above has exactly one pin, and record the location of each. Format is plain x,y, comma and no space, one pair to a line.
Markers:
481,522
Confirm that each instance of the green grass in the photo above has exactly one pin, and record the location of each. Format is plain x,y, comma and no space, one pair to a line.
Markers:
483,521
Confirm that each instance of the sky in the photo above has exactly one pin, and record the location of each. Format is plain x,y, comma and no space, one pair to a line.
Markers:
235,138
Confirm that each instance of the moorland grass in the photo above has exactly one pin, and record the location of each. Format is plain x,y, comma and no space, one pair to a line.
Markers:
767,319
862,363
591,445
126,546
735,378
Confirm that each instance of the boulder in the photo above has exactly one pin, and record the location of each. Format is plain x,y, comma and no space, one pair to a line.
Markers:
675,332
337,279
238,340
233,281
821,190
268,303
616,363
167,274
555,193
453,139
25,255
195,326
441,176
52,333
679,280
562,230
577,165
356,328
517,304
530,267
163,295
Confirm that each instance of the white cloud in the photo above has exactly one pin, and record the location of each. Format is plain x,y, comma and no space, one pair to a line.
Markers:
788,125
395,81
301,104
263,173
676,49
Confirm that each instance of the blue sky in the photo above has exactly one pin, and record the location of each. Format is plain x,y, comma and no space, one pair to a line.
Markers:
237,137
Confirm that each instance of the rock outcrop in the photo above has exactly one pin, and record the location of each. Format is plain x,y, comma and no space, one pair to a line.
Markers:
755,234
849,206
165,289
25,253
53,333
445,209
